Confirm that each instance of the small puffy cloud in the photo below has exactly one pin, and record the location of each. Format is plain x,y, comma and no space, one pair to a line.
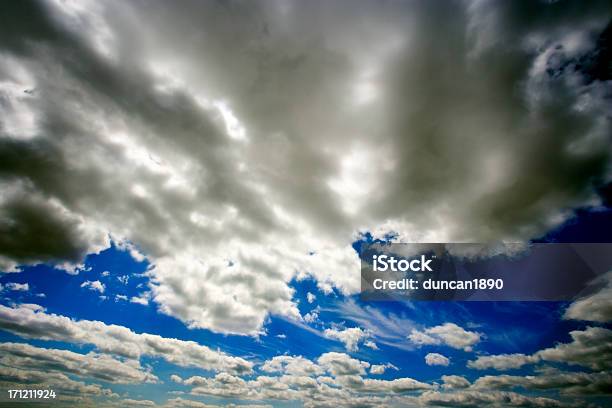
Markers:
340,364
120,297
502,362
94,285
378,369
142,299
398,385
370,344
448,334
350,337
311,297
596,307
311,316
432,359
17,287
419,338
293,365
175,378
454,382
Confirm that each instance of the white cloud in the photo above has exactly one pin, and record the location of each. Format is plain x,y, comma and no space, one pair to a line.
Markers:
591,348
175,378
370,344
568,383
17,287
350,337
419,338
596,307
94,285
432,359
64,386
293,365
473,398
119,340
448,334
91,365
310,297
381,368
142,299
311,316
338,364
454,381
502,361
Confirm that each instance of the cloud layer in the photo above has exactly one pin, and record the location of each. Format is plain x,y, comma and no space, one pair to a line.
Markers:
236,160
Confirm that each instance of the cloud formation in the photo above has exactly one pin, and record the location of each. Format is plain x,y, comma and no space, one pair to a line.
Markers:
448,334
234,160
35,323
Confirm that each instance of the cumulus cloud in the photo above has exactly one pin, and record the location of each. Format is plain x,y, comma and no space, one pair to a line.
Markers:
473,398
142,299
432,359
502,361
64,386
206,146
448,334
18,287
91,365
454,381
293,365
96,286
568,383
36,324
339,364
591,348
381,368
351,337
596,307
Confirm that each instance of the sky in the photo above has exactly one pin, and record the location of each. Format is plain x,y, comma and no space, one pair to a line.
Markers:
184,188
